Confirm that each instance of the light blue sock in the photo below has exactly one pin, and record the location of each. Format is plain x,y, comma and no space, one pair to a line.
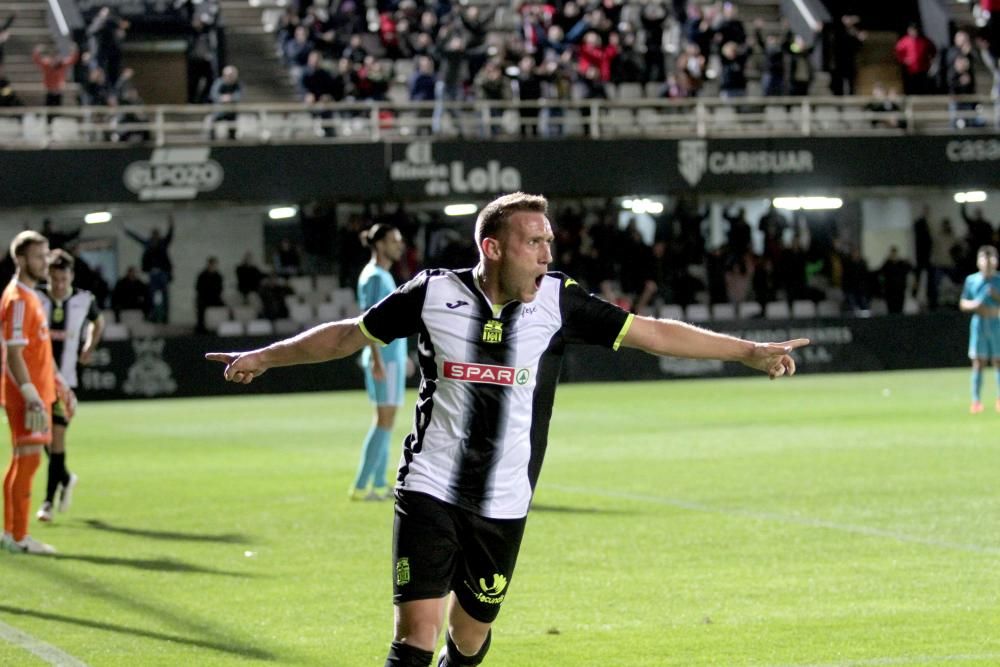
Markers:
382,461
996,371
977,385
369,453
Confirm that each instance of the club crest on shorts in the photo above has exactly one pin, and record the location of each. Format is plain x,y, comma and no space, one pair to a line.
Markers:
402,571
493,331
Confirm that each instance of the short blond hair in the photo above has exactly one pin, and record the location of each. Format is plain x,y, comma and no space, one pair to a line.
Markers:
24,240
494,215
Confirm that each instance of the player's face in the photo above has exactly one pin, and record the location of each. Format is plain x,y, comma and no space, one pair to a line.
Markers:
34,264
987,263
526,251
393,246
60,281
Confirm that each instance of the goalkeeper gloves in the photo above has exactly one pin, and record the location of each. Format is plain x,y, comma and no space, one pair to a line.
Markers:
35,418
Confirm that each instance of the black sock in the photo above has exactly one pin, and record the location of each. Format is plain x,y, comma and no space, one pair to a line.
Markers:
56,467
404,655
65,473
452,657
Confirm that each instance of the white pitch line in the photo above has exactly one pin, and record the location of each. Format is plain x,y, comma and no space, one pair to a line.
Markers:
912,660
46,652
781,518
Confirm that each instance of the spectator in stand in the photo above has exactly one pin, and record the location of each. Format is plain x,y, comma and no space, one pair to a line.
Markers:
106,33
5,33
885,109
287,259
638,270
729,27
961,46
125,121
980,230
355,50
991,8
492,88
960,84
96,91
248,277
54,68
227,90
448,88
208,291
915,54
130,293
847,40
654,21
993,65
421,86
273,291
528,86
202,61
593,89
923,244
477,27
559,80
800,68
691,70
627,64
854,281
773,49
157,265
945,248
373,81
894,273
732,76
296,50
58,239
592,53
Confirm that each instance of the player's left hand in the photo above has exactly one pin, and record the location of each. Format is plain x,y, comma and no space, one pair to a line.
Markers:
775,359
241,367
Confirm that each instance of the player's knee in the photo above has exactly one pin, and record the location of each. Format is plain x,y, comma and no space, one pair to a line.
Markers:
419,632
467,648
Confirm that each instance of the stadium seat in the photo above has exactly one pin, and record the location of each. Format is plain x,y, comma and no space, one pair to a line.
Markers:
10,129
828,308
750,309
35,128
315,297
911,306
244,314
301,285
248,126
326,284
630,91
342,295
214,316
723,311
803,308
229,328
777,310
128,317
828,118
302,313
143,329
65,129
115,331
724,118
260,328
697,312
285,327
777,118
328,312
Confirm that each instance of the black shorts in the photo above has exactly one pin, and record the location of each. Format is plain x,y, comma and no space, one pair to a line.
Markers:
59,417
438,548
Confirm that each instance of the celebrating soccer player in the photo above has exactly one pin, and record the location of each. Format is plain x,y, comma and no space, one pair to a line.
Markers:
75,327
490,341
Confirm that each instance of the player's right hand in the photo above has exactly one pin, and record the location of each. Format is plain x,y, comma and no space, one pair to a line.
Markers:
241,367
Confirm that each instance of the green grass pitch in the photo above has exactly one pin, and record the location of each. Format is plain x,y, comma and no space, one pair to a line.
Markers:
837,520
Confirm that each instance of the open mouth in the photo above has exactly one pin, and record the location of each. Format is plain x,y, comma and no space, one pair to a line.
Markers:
538,280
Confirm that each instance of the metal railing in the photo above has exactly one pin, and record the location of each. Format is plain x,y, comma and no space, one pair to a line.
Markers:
42,127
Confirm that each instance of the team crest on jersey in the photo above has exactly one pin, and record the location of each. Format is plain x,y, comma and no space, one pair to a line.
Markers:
493,331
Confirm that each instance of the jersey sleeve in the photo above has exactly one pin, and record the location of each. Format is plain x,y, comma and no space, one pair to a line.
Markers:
397,315
370,292
968,291
589,319
14,326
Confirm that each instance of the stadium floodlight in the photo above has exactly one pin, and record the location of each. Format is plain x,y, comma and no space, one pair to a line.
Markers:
643,205
97,217
282,212
971,197
808,203
460,209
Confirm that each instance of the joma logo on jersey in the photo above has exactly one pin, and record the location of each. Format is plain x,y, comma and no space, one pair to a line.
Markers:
485,373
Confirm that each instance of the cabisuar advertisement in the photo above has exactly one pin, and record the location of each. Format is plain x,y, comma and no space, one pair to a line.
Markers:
428,169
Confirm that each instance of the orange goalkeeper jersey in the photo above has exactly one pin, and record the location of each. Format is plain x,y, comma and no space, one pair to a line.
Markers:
25,326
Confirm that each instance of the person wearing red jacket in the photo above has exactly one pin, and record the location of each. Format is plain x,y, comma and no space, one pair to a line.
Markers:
915,54
593,54
54,70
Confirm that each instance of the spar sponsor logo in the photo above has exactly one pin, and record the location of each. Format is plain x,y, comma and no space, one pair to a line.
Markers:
694,160
455,177
174,173
486,373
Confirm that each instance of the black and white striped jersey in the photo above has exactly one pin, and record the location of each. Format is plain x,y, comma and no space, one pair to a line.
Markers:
67,319
489,376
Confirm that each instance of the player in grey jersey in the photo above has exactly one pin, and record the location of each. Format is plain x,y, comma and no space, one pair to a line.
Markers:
490,341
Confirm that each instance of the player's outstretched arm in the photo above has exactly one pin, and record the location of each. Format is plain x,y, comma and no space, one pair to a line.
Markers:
678,339
321,343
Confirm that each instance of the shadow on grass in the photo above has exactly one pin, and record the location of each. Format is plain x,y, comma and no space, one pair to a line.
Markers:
226,538
569,509
151,564
242,651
